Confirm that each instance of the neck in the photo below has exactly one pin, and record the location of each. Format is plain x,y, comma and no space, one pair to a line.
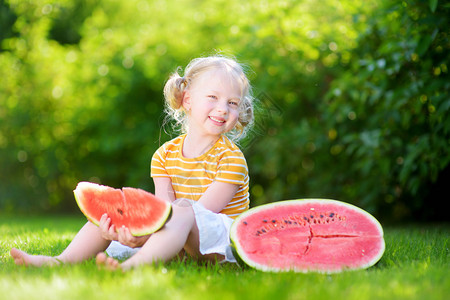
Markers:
194,146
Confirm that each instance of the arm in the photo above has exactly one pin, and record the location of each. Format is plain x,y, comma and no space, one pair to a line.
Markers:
218,195
164,189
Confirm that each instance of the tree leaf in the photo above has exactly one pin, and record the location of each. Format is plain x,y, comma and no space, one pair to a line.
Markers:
423,44
433,5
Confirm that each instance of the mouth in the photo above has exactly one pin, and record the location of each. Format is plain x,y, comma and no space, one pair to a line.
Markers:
217,119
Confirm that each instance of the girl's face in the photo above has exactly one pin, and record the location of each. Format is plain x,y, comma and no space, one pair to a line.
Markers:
212,104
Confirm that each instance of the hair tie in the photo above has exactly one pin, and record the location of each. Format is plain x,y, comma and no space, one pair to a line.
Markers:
182,81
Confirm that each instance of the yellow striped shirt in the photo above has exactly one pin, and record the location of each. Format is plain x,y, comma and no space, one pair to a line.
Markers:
191,177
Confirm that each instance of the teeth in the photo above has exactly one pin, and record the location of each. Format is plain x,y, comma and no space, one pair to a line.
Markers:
214,119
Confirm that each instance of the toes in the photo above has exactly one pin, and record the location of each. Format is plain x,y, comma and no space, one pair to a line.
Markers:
111,264
15,253
106,262
100,259
18,256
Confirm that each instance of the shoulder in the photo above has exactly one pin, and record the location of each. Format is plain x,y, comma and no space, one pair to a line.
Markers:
230,153
231,167
171,146
228,148
174,143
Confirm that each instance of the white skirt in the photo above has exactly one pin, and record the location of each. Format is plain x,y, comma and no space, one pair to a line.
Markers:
214,231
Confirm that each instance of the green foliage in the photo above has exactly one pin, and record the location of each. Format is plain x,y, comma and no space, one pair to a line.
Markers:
394,126
353,96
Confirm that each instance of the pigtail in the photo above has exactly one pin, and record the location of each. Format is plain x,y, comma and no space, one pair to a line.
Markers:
174,90
173,94
245,120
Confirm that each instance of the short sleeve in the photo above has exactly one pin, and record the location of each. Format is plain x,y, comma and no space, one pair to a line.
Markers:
158,164
232,168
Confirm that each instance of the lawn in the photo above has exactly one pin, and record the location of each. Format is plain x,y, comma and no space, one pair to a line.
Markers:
414,266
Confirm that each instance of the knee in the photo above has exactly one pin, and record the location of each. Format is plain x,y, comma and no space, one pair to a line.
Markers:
182,215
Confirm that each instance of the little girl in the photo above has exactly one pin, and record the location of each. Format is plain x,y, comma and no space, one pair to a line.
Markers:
202,172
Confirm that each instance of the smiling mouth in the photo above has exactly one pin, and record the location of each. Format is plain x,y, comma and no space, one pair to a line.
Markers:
217,120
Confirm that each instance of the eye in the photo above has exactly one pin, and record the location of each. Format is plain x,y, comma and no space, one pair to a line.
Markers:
234,102
213,97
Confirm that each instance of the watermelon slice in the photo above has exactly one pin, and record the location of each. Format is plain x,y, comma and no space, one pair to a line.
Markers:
139,210
318,235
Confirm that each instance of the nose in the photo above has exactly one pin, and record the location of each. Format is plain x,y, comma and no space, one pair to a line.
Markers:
222,107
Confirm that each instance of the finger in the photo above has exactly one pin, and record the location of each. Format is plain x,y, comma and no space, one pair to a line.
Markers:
112,230
122,233
106,222
102,220
126,237
127,232
129,236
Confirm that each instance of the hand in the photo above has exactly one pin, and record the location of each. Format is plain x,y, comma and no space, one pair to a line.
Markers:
127,239
108,231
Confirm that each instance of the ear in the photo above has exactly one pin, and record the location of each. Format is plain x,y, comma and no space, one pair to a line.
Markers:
186,102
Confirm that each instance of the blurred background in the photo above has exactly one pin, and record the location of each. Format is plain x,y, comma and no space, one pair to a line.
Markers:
353,97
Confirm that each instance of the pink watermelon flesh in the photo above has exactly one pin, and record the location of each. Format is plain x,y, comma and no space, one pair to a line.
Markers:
318,235
139,210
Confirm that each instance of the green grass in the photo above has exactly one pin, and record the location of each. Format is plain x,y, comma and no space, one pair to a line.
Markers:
414,266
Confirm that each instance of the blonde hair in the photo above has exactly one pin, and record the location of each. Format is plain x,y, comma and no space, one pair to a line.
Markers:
176,85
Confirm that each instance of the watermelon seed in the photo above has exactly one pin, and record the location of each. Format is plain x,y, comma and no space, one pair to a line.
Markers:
273,221
245,223
312,217
321,216
120,211
265,221
331,215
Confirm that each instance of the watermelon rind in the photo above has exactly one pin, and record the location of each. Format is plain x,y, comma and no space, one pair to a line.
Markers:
241,255
163,217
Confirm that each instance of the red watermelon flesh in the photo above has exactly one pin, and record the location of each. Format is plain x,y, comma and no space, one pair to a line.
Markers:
318,235
139,210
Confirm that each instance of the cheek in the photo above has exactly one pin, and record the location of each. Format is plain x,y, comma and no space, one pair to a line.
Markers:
234,116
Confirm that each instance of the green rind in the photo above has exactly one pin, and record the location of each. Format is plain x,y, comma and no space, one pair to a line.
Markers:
239,260
241,256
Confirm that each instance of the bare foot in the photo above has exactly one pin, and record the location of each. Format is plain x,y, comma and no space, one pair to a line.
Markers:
25,259
107,262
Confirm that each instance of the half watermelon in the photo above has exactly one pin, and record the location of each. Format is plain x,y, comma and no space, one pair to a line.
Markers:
317,235
139,210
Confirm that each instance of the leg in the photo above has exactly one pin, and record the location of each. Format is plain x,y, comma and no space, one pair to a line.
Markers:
180,232
85,245
192,247
162,245
166,243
